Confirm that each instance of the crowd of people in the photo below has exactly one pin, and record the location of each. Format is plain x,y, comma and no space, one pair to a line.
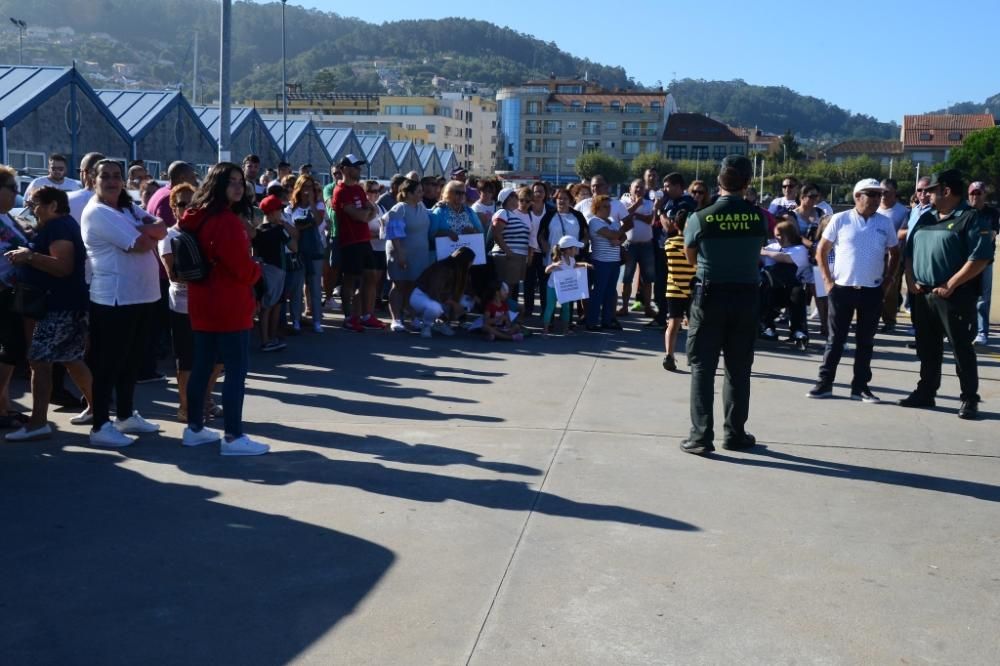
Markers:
118,266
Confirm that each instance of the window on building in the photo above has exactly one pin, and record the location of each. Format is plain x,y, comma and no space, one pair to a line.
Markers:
575,106
610,145
533,127
25,159
677,152
616,106
925,136
630,147
593,107
591,145
447,130
633,107
571,143
611,125
552,145
655,107
431,129
571,124
534,107
570,89
954,136
550,164
699,152
718,152
591,128
570,161
533,145
555,107
630,129
553,127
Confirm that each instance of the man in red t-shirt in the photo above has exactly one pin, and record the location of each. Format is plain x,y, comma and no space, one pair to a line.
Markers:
353,210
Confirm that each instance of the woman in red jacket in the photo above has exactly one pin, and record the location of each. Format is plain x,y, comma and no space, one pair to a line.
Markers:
221,307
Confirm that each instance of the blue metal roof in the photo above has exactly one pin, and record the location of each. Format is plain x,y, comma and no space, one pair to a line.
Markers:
370,145
426,153
334,138
25,88
140,110
295,130
447,156
399,150
209,117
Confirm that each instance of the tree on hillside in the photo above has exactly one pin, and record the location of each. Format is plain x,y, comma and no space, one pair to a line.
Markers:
978,158
789,148
650,161
593,163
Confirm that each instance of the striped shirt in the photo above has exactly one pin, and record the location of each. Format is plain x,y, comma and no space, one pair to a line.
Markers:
601,248
679,271
516,232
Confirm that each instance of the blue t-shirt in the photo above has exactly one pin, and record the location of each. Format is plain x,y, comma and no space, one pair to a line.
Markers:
68,293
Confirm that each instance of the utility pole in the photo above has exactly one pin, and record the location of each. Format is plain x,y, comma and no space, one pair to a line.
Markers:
21,28
224,99
194,78
284,89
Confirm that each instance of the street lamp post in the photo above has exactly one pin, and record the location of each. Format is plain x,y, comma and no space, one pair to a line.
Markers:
21,28
225,102
284,89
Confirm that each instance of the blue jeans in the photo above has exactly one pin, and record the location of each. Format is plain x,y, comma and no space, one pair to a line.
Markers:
640,254
294,283
603,293
233,350
983,304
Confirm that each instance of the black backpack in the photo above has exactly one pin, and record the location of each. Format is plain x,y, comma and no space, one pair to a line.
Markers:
190,264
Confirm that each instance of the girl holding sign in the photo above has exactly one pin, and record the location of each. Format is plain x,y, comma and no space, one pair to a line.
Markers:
563,259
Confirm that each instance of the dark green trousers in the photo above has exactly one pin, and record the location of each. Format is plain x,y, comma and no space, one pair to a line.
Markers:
955,317
723,322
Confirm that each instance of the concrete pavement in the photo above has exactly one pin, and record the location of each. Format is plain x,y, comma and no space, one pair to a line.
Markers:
454,501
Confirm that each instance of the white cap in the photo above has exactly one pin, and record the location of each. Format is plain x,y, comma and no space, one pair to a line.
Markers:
868,184
504,193
568,241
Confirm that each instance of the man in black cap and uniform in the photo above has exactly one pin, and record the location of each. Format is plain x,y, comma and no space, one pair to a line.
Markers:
946,252
724,241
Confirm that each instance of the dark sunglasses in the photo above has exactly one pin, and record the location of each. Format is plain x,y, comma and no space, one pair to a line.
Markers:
182,205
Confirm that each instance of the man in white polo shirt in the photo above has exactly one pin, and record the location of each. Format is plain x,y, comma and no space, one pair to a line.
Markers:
860,238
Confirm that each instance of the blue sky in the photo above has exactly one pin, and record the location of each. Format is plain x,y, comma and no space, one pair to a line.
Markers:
869,57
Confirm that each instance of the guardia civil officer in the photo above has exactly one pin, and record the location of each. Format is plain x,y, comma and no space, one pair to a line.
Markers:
724,241
946,252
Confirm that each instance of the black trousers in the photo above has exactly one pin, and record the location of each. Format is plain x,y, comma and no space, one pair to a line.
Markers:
793,297
534,282
935,317
723,321
844,302
119,336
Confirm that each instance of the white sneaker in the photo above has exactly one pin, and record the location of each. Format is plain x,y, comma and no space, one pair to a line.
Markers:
799,335
243,446
109,437
136,425
814,315
425,331
86,417
25,435
203,436
397,326
980,340
443,328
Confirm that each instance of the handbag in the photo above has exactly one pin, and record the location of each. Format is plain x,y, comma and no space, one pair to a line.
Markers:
29,300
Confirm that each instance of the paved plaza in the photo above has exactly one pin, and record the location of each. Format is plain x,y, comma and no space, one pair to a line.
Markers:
453,501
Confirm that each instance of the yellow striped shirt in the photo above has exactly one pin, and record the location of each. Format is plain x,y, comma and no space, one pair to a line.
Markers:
679,271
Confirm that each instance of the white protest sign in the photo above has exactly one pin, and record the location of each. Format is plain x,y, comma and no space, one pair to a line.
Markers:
445,246
571,285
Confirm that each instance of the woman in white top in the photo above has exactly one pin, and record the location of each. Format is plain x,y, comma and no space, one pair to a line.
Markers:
534,277
639,249
786,268
511,235
306,217
125,285
606,238
486,205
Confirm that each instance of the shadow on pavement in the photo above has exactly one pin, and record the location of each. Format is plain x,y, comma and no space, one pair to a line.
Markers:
765,457
102,565
280,468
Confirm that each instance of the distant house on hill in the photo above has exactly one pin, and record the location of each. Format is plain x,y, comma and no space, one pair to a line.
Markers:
883,151
758,141
692,136
929,139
